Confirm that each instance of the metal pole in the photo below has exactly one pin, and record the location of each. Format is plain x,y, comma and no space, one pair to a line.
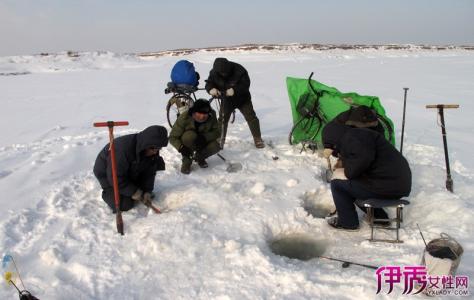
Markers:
222,117
403,122
449,180
441,107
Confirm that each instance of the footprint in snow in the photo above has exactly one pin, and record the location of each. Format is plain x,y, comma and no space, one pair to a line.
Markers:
5,173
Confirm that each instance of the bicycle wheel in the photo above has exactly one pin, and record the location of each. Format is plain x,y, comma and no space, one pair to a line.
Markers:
177,104
303,130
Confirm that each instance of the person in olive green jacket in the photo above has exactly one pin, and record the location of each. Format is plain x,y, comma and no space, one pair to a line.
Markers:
195,134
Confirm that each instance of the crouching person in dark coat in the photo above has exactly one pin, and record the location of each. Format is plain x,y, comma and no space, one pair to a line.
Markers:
372,166
137,158
195,134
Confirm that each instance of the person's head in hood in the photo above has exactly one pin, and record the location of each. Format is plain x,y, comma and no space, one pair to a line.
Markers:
200,110
151,140
222,67
332,134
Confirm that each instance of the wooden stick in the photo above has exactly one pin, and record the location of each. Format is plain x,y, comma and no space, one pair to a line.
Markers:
442,106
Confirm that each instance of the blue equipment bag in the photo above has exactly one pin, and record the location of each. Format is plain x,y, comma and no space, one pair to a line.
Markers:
183,72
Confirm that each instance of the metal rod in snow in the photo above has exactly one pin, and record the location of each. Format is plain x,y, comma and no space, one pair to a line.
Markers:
403,121
348,263
441,107
421,233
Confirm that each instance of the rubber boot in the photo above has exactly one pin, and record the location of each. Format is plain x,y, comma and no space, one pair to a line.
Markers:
202,163
259,142
200,158
186,165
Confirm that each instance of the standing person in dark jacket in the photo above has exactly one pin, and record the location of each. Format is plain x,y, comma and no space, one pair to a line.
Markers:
195,134
137,158
372,166
231,81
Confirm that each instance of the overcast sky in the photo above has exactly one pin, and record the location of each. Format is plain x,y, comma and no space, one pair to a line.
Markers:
34,26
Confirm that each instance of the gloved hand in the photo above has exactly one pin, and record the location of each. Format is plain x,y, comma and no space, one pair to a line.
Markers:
200,142
327,152
138,195
229,92
214,92
185,151
147,197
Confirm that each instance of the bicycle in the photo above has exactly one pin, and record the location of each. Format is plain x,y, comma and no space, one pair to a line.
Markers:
313,119
308,108
182,99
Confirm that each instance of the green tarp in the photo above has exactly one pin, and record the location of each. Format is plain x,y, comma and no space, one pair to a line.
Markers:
331,102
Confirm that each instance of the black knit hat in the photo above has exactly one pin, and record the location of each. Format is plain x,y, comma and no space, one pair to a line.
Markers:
362,117
201,105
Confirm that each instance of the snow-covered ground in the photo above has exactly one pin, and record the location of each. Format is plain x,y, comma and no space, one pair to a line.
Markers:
212,242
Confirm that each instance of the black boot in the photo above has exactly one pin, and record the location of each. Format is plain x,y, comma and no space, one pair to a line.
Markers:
186,165
259,142
201,159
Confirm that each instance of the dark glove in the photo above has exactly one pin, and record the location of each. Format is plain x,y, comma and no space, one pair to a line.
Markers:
160,164
185,151
200,142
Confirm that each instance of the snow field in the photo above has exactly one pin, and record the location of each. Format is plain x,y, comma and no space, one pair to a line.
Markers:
212,240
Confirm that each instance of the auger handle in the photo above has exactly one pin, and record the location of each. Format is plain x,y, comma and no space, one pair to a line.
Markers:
442,106
110,124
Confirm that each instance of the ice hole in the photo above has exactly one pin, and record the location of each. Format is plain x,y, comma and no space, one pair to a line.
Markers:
298,246
312,204
317,211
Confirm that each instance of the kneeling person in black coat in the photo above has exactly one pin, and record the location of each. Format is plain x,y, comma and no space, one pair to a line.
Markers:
138,159
372,166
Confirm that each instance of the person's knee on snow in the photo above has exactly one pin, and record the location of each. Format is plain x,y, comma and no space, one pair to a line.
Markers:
126,203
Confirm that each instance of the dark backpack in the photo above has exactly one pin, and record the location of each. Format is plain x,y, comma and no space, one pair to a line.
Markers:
183,72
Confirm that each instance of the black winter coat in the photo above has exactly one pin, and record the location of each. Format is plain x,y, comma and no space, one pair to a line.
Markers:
369,159
226,74
134,169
